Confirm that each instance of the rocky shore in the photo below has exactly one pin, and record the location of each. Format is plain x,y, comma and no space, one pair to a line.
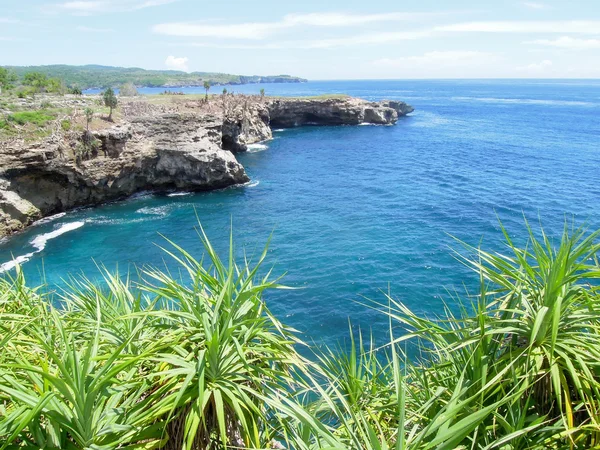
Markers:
183,145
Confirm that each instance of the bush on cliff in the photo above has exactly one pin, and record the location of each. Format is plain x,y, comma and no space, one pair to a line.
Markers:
198,361
39,118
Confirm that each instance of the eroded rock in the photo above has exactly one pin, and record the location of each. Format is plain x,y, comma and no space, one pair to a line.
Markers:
287,113
159,148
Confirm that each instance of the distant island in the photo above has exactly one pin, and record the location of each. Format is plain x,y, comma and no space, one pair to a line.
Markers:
97,76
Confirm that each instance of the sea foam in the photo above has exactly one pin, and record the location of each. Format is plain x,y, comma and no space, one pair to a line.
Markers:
39,243
49,219
254,148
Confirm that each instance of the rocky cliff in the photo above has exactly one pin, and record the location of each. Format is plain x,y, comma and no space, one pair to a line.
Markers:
159,148
286,113
165,152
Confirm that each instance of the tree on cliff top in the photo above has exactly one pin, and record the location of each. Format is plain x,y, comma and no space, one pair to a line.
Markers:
89,116
207,88
110,101
7,78
36,80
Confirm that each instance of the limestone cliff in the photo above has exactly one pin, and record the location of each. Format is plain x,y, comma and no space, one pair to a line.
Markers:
286,113
165,152
184,145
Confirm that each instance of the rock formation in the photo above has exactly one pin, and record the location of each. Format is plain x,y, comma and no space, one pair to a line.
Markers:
157,148
244,125
286,113
166,152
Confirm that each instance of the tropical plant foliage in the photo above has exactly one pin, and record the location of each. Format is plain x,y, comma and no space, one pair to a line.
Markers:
197,361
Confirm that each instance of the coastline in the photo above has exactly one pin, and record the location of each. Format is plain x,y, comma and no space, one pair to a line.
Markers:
162,144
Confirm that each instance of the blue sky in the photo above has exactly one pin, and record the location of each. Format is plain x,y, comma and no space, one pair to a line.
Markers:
316,39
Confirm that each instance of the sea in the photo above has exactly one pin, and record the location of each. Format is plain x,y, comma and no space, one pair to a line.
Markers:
355,213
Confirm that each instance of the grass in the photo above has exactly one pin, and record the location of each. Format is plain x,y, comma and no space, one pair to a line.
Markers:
197,361
39,118
35,121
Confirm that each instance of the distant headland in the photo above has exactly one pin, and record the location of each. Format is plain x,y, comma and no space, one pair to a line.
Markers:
97,76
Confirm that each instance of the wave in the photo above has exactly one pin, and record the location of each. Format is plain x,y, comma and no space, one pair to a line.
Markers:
154,211
279,130
49,219
254,148
102,220
179,194
252,183
526,101
39,243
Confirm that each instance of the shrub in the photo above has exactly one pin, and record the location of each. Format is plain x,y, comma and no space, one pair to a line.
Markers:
128,90
198,362
65,124
39,118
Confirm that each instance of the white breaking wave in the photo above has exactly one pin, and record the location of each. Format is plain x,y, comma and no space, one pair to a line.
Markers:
179,194
279,130
39,243
18,260
49,219
162,211
252,183
253,148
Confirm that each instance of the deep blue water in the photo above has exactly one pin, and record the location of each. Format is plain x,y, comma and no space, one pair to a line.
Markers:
360,210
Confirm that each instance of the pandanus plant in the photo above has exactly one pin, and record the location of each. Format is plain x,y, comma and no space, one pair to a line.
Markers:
224,354
197,361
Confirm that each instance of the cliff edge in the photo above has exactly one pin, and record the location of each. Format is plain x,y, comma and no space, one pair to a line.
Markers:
161,144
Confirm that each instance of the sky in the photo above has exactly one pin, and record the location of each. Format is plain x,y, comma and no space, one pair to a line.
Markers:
315,39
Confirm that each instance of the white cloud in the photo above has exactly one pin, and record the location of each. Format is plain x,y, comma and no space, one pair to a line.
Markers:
84,6
569,43
452,58
526,27
346,20
176,63
371,38
535,5
350,41
251,31
538,68
94,30
262,30
89,7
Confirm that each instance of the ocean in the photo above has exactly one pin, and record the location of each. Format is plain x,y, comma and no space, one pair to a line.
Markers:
356,212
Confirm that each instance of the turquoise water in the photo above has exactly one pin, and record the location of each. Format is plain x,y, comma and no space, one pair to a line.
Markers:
355,211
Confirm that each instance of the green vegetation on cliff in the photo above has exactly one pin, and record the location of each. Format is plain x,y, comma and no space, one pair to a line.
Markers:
95,76
199,362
